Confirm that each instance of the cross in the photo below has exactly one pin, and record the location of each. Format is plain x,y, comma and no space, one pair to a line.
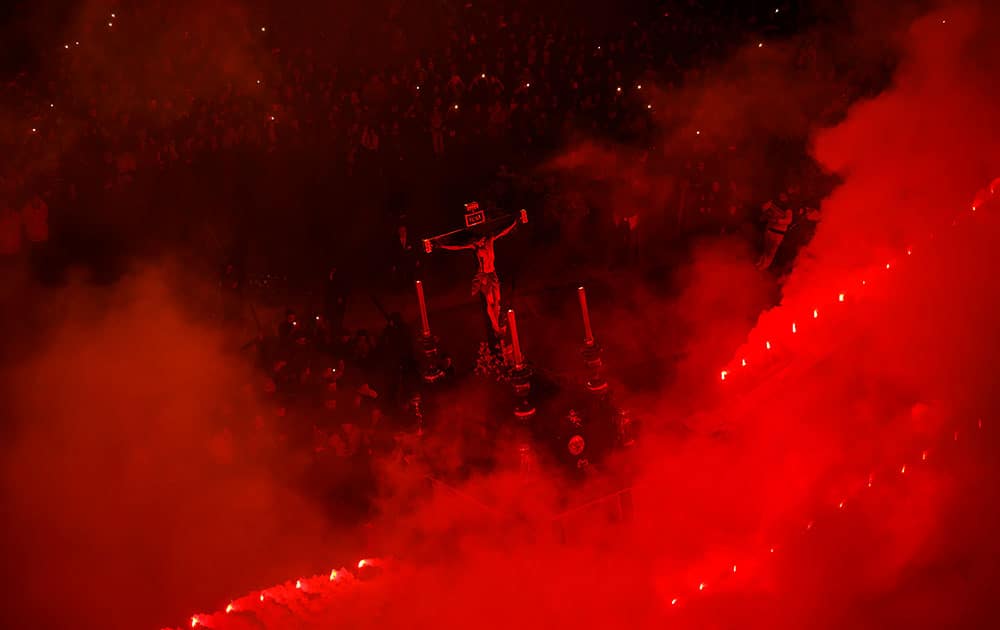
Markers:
484,233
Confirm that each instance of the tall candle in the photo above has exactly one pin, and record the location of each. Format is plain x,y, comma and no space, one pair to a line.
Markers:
515,341
424,324
588,333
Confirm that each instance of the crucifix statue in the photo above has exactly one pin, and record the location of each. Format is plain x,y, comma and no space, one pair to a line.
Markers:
479,236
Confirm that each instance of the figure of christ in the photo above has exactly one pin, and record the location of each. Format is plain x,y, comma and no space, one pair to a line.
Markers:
486,281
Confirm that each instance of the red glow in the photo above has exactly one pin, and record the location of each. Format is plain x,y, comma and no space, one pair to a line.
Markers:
701,586
734,568
362,563
229,608
298,584
194,621
724,373
333,575
794,330
840,297
767,344
902,470
673,602
923,456
815,313
744,362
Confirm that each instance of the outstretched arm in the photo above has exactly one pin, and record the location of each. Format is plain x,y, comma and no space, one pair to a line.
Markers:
507,230
453,248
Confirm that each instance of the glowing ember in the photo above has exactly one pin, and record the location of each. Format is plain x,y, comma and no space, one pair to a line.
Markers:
902,470
760,44
767,344
841,505
194,621
298,584
744,362
673,602
229,608
840,297
734,568
793,328
923,456
815,313
362,563
887,265
724,373
333,575
701,586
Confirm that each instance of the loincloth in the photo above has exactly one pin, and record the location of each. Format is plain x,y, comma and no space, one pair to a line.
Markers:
484,283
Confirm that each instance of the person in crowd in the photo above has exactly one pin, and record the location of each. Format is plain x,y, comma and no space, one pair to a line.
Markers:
777,217
335,294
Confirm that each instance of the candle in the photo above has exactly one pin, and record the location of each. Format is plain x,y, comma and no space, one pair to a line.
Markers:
588,334
424,324
515,341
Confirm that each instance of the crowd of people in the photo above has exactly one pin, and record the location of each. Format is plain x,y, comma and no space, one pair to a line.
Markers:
178,148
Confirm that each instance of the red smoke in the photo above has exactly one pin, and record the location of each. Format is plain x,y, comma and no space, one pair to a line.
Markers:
117,511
